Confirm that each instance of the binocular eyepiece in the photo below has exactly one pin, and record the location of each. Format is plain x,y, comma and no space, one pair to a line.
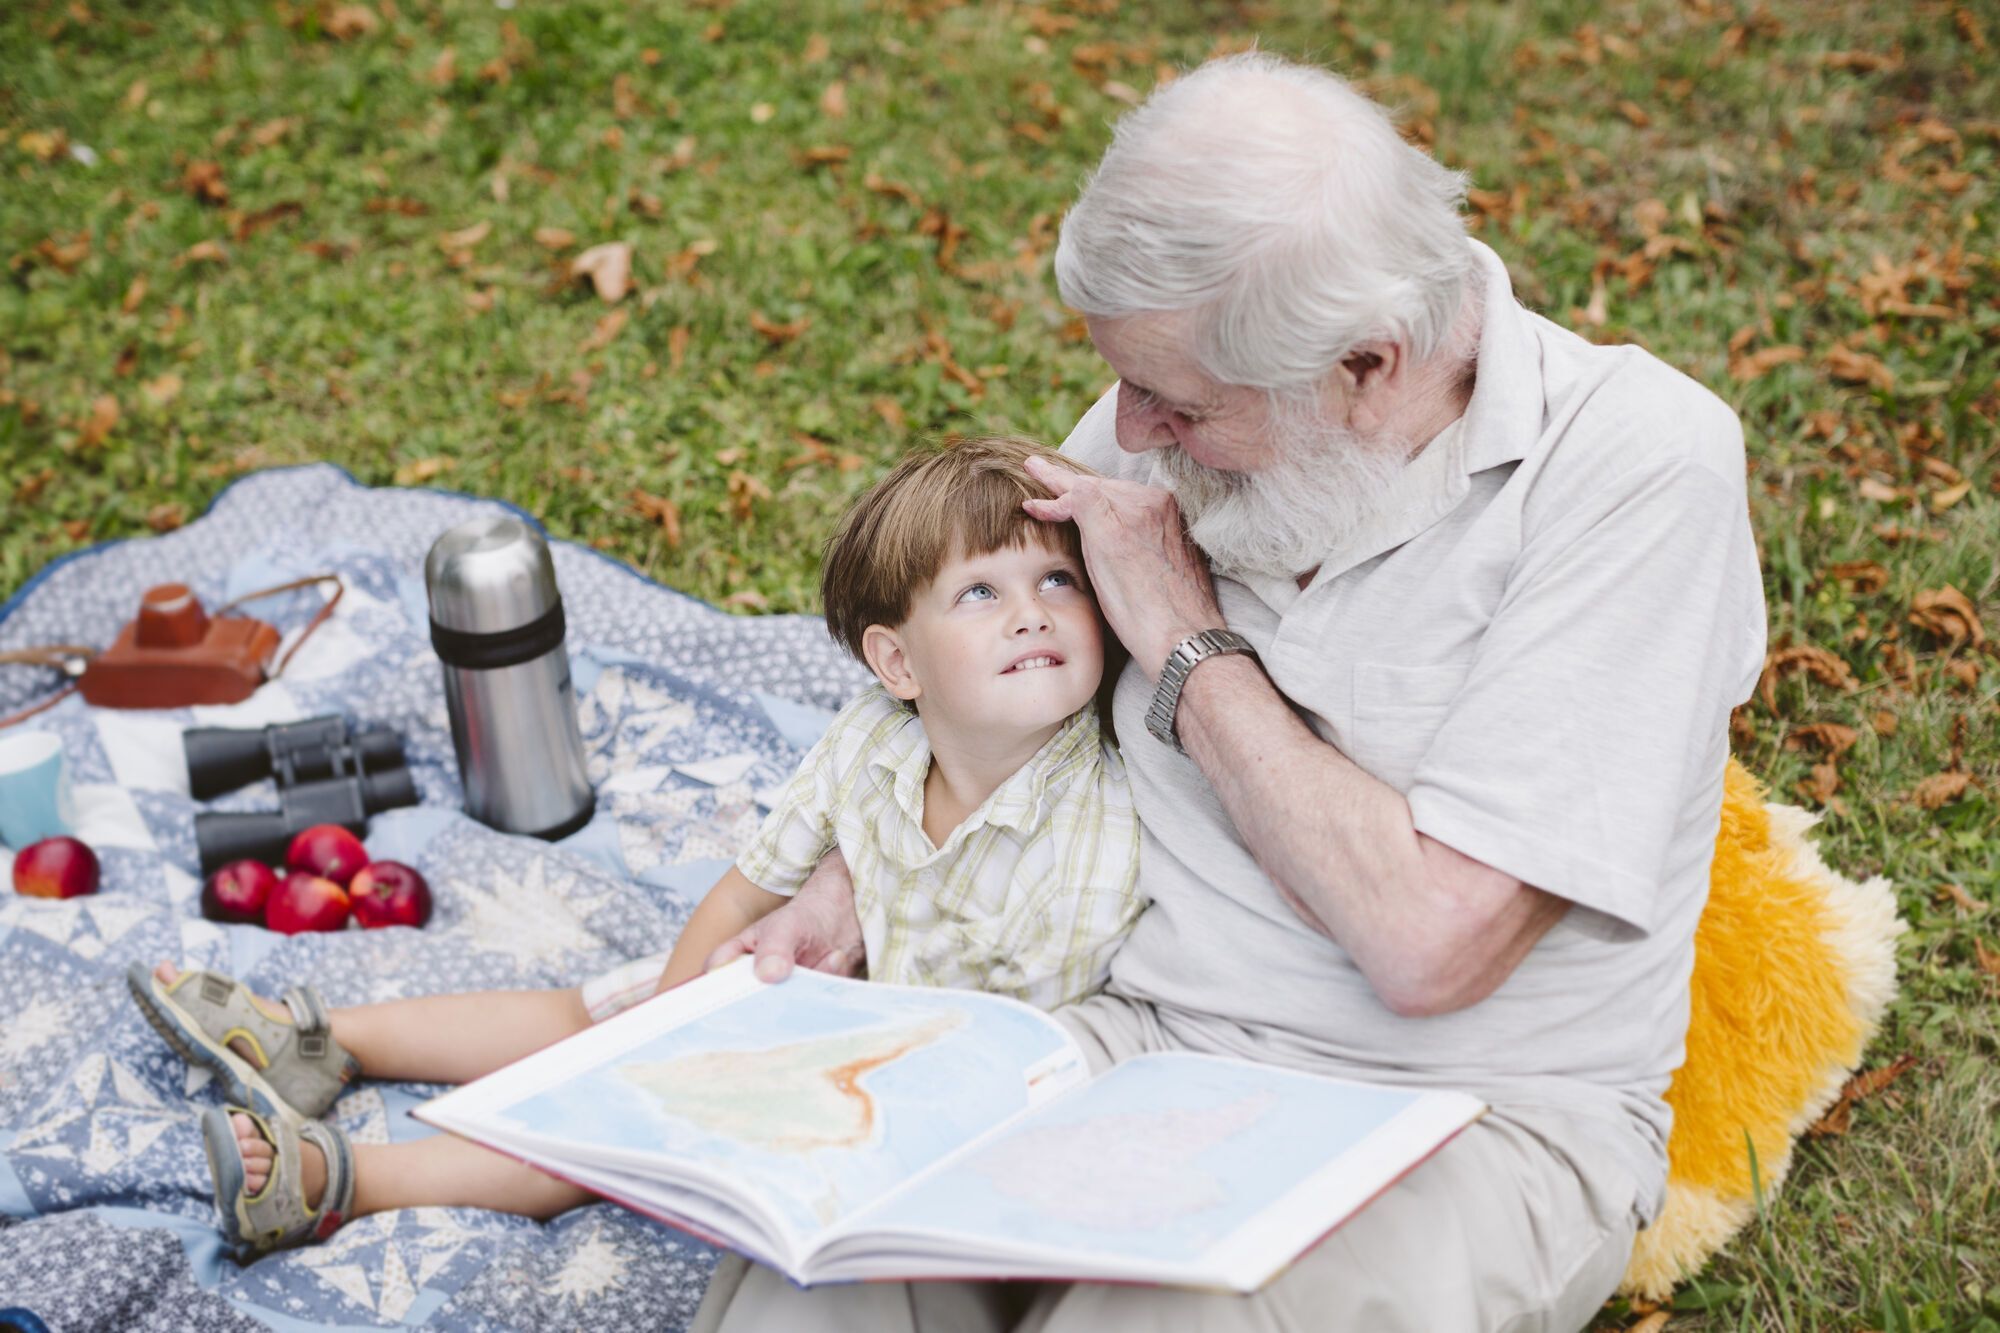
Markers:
221,759
326,774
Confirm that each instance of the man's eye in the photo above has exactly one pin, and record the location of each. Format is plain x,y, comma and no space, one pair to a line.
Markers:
978,592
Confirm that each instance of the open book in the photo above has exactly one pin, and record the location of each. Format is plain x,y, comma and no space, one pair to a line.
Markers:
842,1130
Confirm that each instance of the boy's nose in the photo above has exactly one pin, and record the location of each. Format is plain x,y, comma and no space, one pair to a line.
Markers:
1031,619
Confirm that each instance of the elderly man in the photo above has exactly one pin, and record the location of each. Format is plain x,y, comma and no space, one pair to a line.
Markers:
1428,750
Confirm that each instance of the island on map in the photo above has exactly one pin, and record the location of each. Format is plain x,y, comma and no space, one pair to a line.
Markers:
796,1098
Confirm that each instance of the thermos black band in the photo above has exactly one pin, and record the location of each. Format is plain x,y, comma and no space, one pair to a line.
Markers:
500,648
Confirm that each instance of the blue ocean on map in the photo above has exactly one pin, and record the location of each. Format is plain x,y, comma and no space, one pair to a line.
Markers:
929,1101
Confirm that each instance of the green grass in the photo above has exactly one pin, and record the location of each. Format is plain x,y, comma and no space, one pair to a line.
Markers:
1771,169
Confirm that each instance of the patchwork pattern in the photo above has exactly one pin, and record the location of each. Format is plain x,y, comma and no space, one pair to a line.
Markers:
691,719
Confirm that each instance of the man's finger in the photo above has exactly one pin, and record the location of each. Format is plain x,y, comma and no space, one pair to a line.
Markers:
1052,475
773,967
1057,510
725,953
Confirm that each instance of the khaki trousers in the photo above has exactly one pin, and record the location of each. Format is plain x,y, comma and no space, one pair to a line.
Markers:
1514,1225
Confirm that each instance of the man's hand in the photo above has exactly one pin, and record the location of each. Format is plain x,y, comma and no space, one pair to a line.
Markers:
817,929
1150,580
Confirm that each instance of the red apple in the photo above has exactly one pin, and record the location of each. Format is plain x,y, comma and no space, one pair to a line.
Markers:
304,902
389,893
329,851
238,892
55,868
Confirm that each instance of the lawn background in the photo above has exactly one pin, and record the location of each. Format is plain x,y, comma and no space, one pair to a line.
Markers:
240,235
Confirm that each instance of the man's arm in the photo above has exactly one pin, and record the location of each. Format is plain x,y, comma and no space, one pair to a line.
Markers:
1431,929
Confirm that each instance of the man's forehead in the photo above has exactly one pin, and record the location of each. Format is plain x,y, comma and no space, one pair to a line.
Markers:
1154,352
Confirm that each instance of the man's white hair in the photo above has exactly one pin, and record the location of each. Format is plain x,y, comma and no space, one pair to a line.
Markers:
1281,207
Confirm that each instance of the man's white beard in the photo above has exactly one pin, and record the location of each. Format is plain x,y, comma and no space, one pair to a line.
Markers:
1324,482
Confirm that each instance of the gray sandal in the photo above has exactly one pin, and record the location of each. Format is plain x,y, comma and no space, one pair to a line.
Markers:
303,1069
276,1217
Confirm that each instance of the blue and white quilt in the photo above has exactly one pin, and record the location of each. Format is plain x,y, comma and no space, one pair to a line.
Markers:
691,718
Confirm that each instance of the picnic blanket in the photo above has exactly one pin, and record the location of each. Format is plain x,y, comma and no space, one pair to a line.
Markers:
691,719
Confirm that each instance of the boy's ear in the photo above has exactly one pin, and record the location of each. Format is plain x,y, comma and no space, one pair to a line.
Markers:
882,649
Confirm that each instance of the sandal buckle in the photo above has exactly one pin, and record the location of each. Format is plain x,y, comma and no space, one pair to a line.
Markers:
312,1046
216,990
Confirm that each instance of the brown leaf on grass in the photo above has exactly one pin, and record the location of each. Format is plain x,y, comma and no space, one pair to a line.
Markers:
1896,533
1863,577
677,346
46,145
607,328
818,48
1863,62
744,492
203,180
609,268
332,251
748,598
250,224
65,255
271,131
1881,492
938,349
1844,363
76,529
398,204
659,509
1634,113
1940,789
1823,666
165,517
1857,1089
938,223
624,98
1820,784
825,155
344,23
135,96
1989,959
554,238
889,410
465,237
1761,363
205,253
444,70
127,362
1830,737
833,101
161,390
33,485
892,189
778,334
1942,500
1652,1323
1957,896
135,295
1947,615
1883,721
103,416
421,470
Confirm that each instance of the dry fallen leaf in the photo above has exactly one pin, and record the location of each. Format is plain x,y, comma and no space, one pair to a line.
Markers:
251,223
163,390
1758,364
1949,496
135,295
1652,1323
1859,576
775,333
890,411
744,491
1859,1088
748,597
165,517
1821,665
817,49
347,22
1940,789
103,416
554,238
204,181
677,346
1989,959
1820,784
662,511
607,329
1946,614
421,470
1844,363
609,268
465,237
1964,901
834,100
1878,491
1830,737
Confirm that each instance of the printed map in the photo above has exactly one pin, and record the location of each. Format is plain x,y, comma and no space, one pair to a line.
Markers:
869,1085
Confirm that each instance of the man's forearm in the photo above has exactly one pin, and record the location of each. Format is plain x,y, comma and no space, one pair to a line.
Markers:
1429,929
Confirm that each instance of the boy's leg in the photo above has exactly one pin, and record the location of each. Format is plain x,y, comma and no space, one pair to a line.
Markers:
443,1171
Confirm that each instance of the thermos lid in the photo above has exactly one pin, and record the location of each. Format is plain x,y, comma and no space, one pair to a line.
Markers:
490,575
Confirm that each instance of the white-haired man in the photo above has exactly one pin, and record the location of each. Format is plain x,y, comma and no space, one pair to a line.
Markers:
1437,747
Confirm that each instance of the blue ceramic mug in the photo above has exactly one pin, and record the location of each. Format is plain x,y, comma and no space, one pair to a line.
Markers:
34,788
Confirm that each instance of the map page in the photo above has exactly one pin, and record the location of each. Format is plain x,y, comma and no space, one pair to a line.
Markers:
798,1103
1178,1169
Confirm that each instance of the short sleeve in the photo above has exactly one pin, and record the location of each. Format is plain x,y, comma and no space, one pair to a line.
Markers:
1629,627
801,828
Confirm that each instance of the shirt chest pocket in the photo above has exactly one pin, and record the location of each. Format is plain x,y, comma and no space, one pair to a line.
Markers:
1397,712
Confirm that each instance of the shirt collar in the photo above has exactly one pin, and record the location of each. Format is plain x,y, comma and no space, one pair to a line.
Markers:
1019,803
1504,418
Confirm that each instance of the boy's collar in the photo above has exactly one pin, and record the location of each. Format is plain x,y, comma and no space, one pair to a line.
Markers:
1018,803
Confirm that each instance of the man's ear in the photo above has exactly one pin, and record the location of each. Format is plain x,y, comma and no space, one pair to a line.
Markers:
882,649
1371,371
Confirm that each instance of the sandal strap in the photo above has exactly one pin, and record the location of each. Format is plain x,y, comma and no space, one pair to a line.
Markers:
336,1201
310,1019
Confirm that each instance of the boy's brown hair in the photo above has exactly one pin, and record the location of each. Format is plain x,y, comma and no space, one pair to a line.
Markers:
961,499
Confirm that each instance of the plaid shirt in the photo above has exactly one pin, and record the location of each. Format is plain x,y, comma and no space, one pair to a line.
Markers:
1028,897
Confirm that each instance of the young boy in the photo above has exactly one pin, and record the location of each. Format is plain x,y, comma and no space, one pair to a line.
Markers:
986,822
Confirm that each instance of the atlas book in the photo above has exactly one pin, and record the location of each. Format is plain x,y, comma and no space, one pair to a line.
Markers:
846,1131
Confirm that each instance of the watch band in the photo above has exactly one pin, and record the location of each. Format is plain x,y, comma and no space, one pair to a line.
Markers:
1194,649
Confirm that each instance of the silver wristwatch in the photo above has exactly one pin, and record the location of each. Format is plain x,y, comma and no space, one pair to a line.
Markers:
1174,673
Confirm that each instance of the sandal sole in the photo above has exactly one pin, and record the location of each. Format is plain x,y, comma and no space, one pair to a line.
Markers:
225,1170
241,1084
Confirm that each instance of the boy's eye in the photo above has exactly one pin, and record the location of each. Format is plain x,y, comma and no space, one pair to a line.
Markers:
1061,578
978,592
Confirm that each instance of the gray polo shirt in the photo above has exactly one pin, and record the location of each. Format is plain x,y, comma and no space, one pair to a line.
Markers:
1538,644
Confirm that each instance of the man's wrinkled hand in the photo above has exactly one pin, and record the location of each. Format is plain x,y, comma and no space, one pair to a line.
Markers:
817,930
1151,582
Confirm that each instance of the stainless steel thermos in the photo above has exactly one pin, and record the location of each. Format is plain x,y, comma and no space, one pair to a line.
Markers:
497,625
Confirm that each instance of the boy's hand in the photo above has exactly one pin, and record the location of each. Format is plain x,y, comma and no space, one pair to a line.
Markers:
817,929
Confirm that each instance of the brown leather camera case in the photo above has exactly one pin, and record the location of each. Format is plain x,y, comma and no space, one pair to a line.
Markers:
173,654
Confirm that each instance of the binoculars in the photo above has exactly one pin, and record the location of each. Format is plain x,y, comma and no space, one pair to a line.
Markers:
326,774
